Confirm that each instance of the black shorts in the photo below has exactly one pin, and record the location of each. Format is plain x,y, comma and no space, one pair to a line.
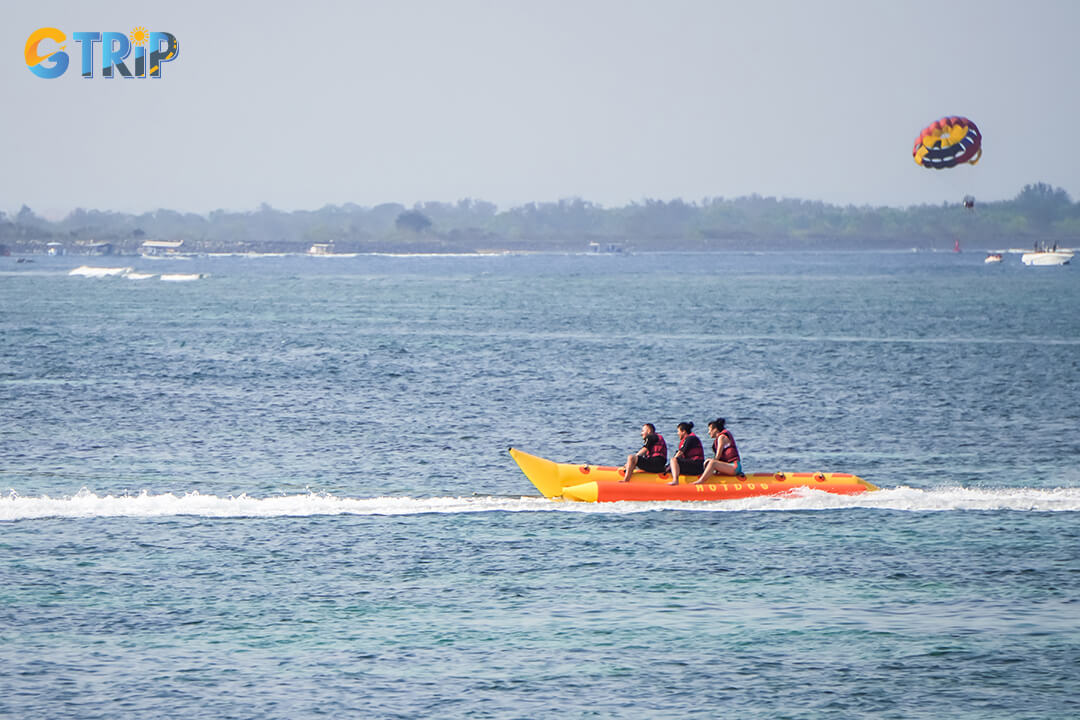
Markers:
651,464
691,467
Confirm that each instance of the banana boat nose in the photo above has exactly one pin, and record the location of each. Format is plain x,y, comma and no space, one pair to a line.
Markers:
544,474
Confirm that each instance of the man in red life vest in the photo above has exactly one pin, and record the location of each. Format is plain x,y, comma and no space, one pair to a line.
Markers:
690,457
652,457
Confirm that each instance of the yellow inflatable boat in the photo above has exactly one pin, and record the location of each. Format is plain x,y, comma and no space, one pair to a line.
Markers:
602,483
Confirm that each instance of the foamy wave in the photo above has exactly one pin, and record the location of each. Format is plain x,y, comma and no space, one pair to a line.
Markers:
437,255
87,504
918,500
93,271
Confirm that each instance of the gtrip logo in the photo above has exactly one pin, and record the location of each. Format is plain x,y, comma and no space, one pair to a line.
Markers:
46,58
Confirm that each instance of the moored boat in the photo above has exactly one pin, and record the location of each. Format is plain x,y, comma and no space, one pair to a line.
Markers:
602,483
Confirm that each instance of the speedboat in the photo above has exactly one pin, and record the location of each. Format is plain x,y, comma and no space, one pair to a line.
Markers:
993,258
1043,256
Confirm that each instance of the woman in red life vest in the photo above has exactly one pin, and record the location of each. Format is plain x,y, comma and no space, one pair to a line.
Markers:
652,457
690,458
726,459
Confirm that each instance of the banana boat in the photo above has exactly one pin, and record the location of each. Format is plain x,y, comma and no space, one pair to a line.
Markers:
603,483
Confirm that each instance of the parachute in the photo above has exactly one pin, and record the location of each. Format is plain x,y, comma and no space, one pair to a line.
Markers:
948,142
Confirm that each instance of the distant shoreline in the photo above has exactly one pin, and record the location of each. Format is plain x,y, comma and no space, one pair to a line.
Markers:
1039,214
501,253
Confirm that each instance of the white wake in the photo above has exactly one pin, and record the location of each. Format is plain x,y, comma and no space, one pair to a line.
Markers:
87,504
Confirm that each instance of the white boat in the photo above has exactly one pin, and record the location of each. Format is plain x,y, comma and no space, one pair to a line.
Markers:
1043,257
993,258
608,248
158,249
327,250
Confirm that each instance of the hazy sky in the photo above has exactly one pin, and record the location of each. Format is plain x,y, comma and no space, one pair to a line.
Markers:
303,104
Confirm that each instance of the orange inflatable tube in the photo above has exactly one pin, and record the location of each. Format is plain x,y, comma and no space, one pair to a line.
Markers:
728,488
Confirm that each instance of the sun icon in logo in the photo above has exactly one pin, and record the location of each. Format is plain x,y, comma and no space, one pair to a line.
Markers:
139,36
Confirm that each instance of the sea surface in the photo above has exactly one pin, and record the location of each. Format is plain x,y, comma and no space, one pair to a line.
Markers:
280,487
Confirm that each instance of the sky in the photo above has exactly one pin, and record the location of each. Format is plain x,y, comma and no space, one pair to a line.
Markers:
305,104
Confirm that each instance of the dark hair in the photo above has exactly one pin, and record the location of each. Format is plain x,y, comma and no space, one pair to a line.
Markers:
718,423
652,428
686,426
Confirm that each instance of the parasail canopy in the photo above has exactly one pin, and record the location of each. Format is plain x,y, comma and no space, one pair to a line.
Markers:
948,142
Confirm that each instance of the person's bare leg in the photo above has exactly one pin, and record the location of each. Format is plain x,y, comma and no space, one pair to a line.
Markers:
716,467
674,471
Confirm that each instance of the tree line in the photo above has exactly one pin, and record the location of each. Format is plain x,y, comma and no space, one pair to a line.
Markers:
1039,213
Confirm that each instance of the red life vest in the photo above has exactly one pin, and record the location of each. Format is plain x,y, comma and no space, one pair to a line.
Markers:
731,453
691,448
656,448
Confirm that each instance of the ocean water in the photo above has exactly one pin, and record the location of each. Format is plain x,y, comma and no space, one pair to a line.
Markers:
280,488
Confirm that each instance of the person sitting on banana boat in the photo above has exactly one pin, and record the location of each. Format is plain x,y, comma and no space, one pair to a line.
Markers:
725,460
690,457
652,457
